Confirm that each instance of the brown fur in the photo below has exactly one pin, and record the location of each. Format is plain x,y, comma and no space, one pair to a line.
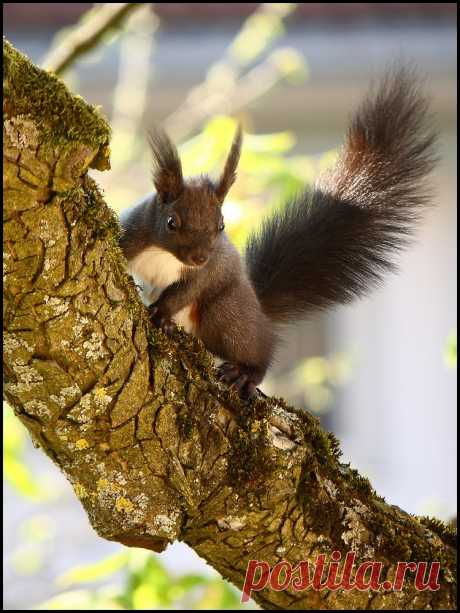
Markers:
325,248
229,174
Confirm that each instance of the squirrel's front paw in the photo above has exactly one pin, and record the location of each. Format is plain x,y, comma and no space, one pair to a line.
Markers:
161,320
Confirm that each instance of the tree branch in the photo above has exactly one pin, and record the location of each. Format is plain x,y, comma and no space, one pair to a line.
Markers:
155,448
87,34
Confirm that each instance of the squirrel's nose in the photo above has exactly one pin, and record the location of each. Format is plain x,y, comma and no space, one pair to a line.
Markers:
198,260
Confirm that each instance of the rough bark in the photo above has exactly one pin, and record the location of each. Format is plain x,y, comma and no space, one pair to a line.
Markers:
155,448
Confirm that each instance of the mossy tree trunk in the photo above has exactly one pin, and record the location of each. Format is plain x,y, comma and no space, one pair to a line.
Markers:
155,449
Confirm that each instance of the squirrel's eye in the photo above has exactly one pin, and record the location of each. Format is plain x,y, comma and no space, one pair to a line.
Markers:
172,224
221,226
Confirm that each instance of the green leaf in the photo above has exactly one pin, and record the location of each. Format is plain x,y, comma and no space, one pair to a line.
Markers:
147,597
94,572
190,581
20,477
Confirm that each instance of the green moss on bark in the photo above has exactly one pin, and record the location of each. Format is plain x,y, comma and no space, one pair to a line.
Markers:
59,116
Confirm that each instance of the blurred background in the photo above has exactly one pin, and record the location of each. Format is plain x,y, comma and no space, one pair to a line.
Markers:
381,374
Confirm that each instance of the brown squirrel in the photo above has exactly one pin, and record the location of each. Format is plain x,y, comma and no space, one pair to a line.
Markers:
330,245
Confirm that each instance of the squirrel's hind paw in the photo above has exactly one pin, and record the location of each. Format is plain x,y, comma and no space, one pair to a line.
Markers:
239,377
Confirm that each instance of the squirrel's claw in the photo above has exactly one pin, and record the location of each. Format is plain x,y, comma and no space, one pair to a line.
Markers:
161,321
238,378
227,372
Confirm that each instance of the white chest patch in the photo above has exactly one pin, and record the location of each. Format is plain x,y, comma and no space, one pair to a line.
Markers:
154,269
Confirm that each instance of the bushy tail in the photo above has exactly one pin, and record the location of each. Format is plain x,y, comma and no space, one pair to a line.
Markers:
334,244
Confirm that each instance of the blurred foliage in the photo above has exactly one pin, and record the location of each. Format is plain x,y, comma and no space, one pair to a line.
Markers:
450,352
15,470
28,558
245,72
64,33
318,376
130,96
259,31
145,585
313,381
96,24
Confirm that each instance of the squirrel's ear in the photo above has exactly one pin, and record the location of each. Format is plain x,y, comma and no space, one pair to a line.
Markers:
229,175
167,168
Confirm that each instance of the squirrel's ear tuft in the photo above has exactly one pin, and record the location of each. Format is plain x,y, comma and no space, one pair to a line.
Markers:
167,167
229,175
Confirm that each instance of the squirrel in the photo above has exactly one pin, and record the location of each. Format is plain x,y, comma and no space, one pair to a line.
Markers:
329,245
